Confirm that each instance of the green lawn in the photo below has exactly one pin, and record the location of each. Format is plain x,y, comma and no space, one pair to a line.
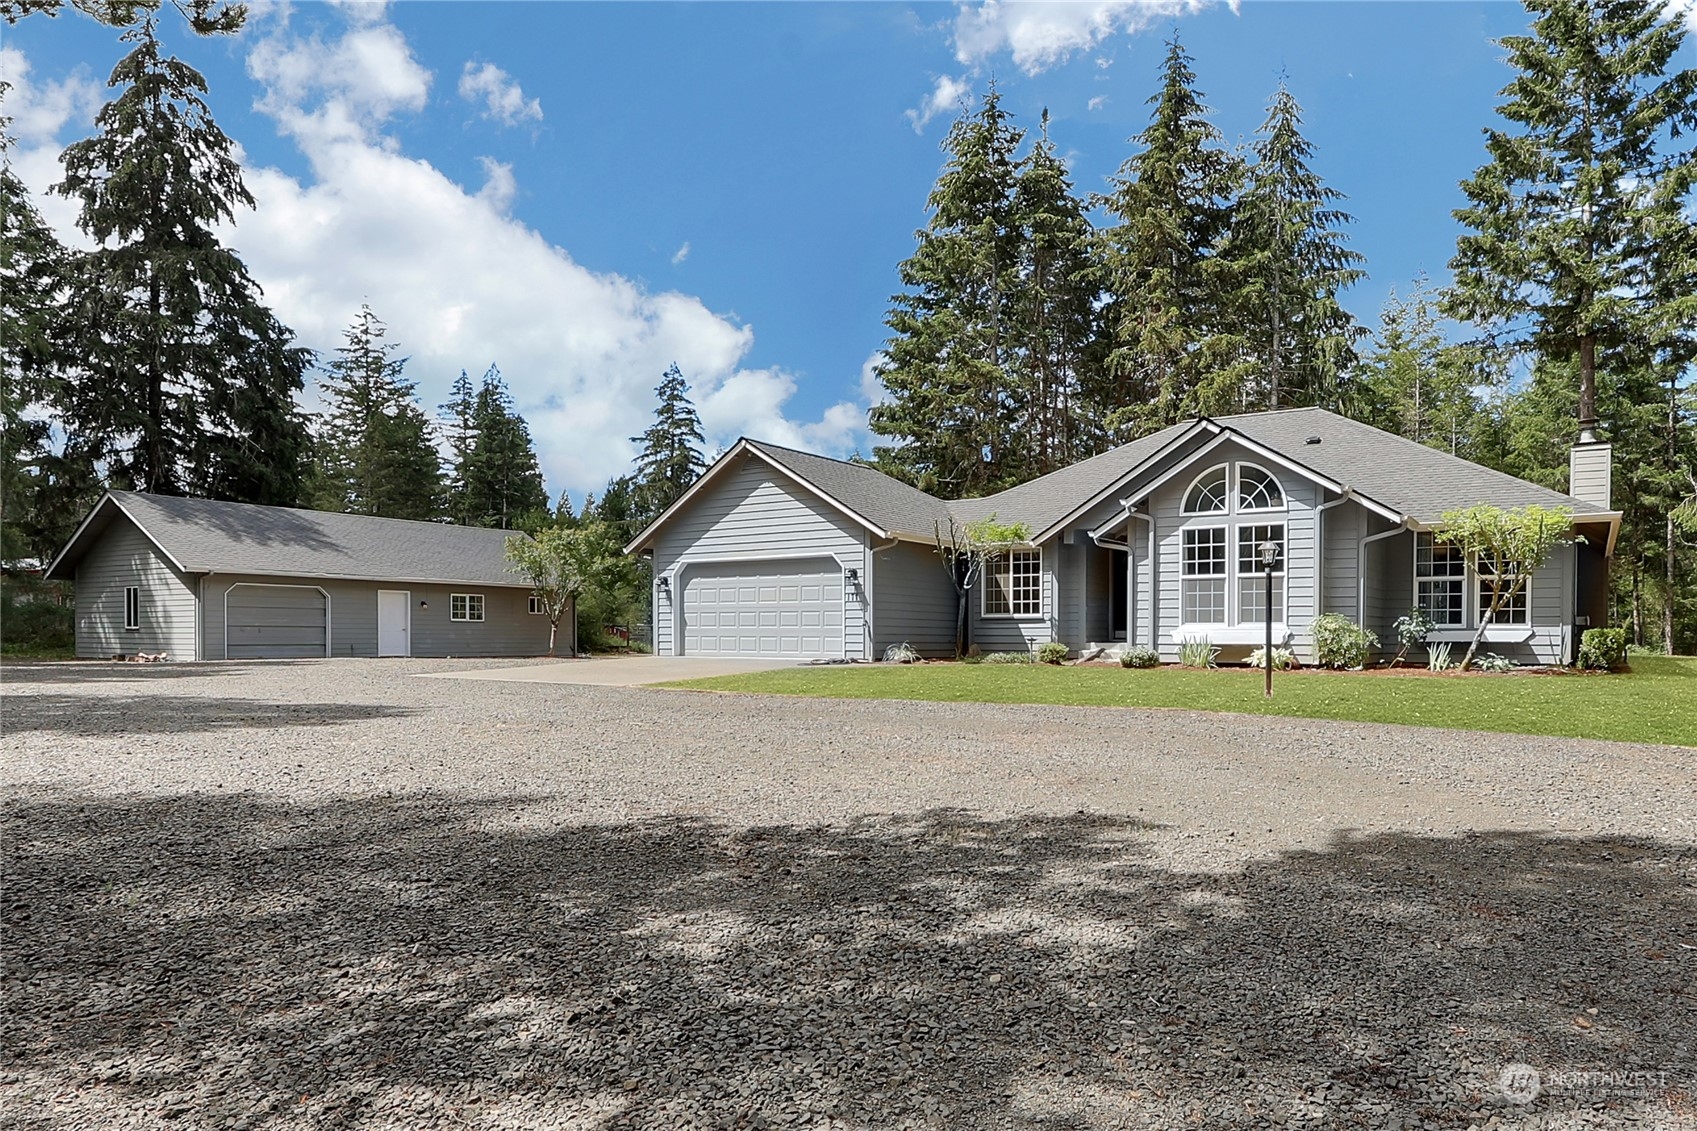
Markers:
1655,702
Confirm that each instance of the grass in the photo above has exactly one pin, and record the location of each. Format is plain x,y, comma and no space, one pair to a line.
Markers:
1655,702
23,650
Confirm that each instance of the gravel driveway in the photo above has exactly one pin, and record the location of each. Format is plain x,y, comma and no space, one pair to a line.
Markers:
329,894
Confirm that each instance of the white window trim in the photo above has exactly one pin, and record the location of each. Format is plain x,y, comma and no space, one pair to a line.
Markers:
984,590
1184,499
1470,611
535,606
1225,578
132,625
1237,490
468,618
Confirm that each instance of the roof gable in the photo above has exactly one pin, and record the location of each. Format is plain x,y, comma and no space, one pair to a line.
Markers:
209,536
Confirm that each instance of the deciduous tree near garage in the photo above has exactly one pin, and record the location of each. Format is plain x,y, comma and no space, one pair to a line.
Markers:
563,564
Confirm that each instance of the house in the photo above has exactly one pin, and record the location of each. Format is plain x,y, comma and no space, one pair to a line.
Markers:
205,580
777,552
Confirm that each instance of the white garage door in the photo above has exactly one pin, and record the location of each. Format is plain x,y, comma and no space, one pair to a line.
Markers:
275,622
764,609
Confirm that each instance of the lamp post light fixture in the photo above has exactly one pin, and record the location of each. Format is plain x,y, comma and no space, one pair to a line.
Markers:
1269,554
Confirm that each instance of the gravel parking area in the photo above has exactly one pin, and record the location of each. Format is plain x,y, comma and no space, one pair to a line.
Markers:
329,894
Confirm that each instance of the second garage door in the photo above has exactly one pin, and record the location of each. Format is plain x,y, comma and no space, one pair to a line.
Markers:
275,622
764,609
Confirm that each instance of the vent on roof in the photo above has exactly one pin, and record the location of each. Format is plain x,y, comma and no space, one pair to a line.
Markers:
1312,440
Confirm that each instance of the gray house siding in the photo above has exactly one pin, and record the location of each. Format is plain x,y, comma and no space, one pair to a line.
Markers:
758,515
125,556
1390,594
913,601
508,627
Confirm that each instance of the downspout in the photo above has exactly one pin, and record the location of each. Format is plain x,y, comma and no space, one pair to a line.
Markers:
1361,569
1320,552
872,553
1132,604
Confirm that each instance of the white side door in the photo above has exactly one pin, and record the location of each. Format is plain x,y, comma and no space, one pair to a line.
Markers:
394,622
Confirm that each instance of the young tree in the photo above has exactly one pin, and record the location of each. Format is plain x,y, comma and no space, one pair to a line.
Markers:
965,549
1414,383
1503,544
1056,345
375,450
503,480
948,359
188,380
1562,221
564,565
669,460
1290,251
1177,347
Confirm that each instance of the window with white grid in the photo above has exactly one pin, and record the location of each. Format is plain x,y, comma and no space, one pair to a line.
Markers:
1202,590
465,606
1515,606
1252,576
1013,584
1440,581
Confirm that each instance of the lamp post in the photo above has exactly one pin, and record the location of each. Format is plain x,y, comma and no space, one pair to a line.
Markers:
1269,554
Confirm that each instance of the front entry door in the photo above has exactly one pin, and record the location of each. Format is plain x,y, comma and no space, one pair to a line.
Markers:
394,622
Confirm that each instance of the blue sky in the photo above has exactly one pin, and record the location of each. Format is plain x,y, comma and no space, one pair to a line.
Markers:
584,192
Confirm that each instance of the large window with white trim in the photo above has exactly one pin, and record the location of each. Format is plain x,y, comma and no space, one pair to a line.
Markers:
1252,575
1514,608
1202,587
465,606
1208,492
1257,490
1013,584
1440,581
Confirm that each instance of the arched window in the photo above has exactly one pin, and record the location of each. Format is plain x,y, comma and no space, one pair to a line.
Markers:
1257,490
1207,495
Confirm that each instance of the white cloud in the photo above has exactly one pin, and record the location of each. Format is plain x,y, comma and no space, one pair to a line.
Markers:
1098,102
681,254
41,112
946,95
502,99
358,82
1041,33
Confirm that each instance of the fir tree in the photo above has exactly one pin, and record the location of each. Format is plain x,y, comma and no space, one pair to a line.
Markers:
374,444
1057,354
1583,178
1415,383
1176,343
503,481
1287,245
459,428
669,459
953,404
188,379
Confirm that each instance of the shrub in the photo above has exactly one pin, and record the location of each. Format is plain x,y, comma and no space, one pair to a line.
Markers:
1438,657
902,653
1602,648
1411,630
1341,643
1491,662
1283,659
1053,652
1137,656
1010,658
33,627
1198,652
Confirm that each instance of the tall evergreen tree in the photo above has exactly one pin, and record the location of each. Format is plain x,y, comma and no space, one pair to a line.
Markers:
190,379
1177,348
1415,383
458,417
503,481
669,459
1558,259
1288,245
952,404
374,443
1056,345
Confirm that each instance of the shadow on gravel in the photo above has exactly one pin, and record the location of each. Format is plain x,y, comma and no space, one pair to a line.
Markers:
409,962
54,713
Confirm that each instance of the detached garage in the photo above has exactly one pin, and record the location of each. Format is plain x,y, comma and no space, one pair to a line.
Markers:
197,579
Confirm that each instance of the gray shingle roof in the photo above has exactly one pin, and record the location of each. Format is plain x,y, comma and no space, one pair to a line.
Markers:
205,536
889,504
1407,477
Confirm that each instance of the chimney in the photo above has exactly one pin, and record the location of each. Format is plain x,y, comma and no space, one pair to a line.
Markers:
1590,472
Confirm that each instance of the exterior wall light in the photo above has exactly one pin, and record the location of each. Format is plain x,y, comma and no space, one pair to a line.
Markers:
852,575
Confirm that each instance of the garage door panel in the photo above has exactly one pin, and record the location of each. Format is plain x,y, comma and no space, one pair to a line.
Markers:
273,622
789,608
